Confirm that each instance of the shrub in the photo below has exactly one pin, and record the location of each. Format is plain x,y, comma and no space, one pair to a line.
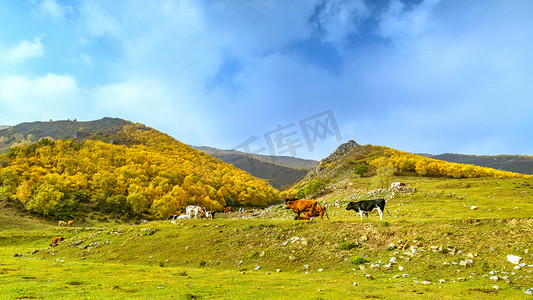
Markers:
359,260
348,246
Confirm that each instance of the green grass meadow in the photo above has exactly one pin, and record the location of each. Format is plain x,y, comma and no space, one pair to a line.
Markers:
434,232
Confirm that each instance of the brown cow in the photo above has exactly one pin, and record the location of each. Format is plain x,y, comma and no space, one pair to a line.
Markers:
300,206
227,209
56,240
70,223
320,211
61,223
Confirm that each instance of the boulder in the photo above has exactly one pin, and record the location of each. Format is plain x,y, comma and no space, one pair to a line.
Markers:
514,259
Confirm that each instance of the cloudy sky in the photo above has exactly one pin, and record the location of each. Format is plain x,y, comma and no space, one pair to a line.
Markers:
279,77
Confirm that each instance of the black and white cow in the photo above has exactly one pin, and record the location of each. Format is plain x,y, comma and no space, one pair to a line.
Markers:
366,206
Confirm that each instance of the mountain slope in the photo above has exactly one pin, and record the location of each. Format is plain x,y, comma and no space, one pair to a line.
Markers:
279,171
352,160
132,171
513,163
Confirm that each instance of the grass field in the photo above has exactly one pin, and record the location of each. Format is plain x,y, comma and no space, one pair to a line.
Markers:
441,249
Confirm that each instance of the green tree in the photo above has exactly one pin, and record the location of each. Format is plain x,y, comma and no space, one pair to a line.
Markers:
46,197
137,202
383,176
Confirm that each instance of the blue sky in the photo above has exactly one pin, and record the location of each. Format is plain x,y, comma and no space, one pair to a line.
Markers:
419,76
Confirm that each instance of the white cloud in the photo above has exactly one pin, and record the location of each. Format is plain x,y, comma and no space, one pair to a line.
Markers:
400,21
55,10
100,22
38,98
22,51
339,18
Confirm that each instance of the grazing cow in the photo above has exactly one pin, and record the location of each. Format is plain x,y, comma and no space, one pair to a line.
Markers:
70,223
210,214
300,206
396,184
195,211
366,206
56,240
62,223
320,211
227,209
183,217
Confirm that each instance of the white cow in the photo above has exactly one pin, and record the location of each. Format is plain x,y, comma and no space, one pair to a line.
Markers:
396,184
195,211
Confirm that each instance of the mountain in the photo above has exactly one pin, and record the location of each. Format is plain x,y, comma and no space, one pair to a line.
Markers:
26,133
351,160
513,163
287,161
123,171
280,171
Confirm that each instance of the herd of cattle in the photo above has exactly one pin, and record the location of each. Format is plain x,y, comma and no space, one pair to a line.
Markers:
309,208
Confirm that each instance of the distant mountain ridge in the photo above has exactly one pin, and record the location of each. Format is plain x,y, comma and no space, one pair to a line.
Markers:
29,132
512,163
280,171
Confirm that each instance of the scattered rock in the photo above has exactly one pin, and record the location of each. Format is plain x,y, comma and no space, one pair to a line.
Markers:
355,284
426,282
495,287
292,257
257,268
369,276
278,270
514,259
442,281
35,251
320,270
494,278
473,207
17,255
461,279
401,268
396,276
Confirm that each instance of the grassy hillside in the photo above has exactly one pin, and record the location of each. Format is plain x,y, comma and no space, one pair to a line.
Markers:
432,233
280,176
139,172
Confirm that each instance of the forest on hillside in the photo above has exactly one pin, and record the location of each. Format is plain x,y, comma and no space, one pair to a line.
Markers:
383,163
139,171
